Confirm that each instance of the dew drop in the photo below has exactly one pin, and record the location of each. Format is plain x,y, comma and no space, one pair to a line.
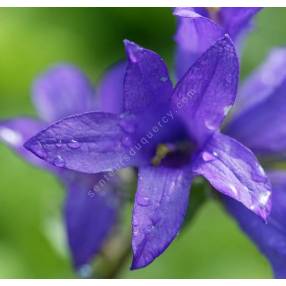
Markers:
73,144
163,79
126,141
226,109
207,156
263,198
59,143
149,227
144,201
233,189
215,153
127,126
209,125
59,162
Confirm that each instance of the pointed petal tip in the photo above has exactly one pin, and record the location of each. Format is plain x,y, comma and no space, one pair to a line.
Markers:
137,264
132,50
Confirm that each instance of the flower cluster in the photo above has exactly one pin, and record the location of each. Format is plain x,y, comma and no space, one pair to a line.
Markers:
170,134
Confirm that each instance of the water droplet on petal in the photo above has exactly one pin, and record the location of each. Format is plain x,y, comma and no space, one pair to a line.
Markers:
59,162
126,141
207,156
143,201
149,227
226,109
73,144
263,198
163,79
59,143
209,125
215,153
127,126
233,189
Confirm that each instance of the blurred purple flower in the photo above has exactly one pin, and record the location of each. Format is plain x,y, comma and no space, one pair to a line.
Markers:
199,28
89,216
258,122
171,135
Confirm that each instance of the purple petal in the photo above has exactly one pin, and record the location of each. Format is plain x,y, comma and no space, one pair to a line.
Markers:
110,91
160,206
15,132
264,81
61,91
236,20
91,143
89,216
146,84
232,169
208,90
195,34
258,121
271,237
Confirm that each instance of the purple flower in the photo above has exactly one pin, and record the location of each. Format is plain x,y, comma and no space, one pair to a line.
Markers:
171,135
199,28
258,122
89,216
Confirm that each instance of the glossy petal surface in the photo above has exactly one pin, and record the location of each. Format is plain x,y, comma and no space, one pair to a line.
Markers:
90,142
232,169
160,206
203,97
146,84
89,215
61,91
270,238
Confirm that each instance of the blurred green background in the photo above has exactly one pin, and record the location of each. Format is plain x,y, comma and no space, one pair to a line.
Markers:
32,240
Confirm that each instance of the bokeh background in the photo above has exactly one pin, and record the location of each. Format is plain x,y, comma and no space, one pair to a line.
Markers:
32,239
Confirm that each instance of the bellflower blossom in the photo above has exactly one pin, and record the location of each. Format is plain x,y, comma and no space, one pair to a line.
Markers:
257,119
198,28
89,217
171,135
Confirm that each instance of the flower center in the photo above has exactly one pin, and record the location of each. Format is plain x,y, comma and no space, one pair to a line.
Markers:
172,154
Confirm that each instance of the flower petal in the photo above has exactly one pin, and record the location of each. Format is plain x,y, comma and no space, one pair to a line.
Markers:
110,91
263,109
208,90
146,84
15,132
89,216
236,20
90,142
271,237
63,90
160,206
232,169
195,34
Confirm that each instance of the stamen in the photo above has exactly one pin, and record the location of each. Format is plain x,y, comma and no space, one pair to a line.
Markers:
161,152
